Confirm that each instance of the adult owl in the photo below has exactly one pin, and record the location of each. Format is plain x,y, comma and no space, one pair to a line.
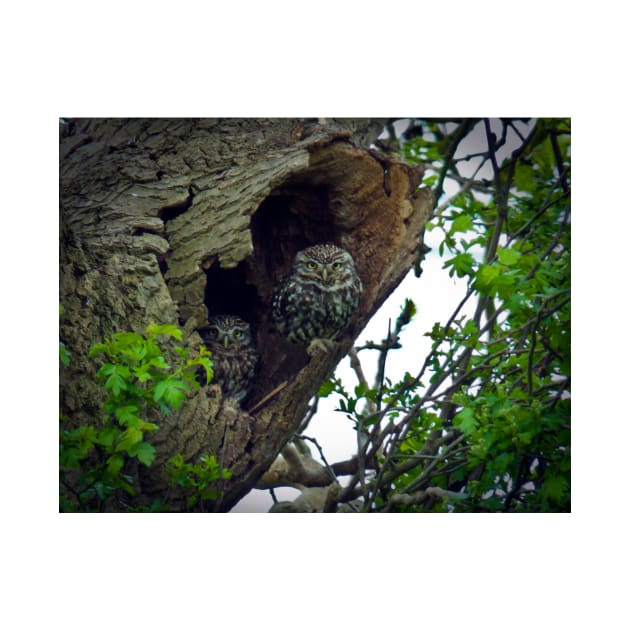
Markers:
319,297
234,355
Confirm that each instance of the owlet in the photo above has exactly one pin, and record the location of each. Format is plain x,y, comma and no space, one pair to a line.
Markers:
234,355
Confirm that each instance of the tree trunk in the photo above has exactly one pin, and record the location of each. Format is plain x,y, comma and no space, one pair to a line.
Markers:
172,220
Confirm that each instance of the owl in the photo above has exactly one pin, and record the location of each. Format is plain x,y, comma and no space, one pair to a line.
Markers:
234,355
319,297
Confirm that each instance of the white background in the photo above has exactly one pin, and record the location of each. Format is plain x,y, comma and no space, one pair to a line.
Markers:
329,59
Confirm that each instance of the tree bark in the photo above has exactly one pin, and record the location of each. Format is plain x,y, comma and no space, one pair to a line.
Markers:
173,220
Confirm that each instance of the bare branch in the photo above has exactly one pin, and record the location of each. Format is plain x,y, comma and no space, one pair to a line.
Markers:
294,469
421,496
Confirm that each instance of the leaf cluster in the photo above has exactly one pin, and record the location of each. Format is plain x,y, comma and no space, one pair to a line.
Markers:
199,480
97,457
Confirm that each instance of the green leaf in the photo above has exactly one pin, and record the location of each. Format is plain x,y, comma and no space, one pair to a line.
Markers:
524,178
462,223
164,329
360,390
465,421
147,426
171,391
142,373
126,414
554,488
177,461
158,392
206,363
463,264
115,463
64,354
326,388
508,256
116,384
106,437
145,452
128,438
486,275
471,331
124,341
97,348
159,362
407,313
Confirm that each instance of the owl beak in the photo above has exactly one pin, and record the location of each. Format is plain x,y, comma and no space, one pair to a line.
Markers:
325,274
225,341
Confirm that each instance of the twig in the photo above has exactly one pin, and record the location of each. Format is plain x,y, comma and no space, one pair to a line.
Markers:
330,471
266,398
355,364
458,135
558,155
308,416
421,497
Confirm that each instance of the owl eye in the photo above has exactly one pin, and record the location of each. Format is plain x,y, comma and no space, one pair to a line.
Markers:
213,332
238,334
336,265
311,265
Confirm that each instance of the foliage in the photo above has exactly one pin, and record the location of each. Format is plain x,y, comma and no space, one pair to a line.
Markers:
199,479
96,458
484,424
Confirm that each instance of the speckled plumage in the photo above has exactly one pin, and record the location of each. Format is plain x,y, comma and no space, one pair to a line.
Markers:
234,355
319,297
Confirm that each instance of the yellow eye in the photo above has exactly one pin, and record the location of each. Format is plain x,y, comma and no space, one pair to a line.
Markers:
336,265
238,333
311,265
213,332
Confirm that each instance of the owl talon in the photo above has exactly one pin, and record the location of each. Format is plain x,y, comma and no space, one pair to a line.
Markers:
320,345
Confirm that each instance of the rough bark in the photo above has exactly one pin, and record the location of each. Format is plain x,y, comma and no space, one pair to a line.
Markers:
170,220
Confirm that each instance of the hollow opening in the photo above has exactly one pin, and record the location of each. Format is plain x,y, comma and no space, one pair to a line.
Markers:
291,218
228,292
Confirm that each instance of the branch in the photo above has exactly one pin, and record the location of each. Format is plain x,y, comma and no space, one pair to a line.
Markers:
458,135
421,497
331,472
263,401
293,469
558,155
355,364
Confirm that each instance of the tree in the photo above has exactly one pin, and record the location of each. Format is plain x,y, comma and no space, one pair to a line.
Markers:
166,221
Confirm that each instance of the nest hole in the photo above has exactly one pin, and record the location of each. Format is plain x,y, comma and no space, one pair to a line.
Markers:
291,218
228,292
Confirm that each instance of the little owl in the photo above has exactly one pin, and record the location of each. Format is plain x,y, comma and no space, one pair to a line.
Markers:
319,297
234,355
